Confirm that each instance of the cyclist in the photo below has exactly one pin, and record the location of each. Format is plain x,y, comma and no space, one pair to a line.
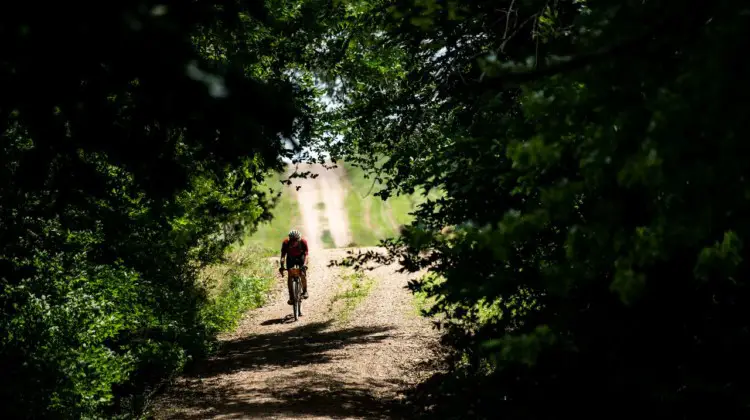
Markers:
295,249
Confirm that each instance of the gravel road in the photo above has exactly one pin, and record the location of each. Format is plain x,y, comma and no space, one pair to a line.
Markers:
322,366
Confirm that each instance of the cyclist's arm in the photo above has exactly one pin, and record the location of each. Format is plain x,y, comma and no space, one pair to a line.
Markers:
304,255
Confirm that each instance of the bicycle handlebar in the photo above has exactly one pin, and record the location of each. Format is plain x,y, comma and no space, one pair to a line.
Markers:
295,267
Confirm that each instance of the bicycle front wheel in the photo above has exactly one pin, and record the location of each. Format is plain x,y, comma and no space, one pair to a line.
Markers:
297,299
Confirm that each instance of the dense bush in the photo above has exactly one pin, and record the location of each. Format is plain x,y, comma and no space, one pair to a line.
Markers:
134,144
592,158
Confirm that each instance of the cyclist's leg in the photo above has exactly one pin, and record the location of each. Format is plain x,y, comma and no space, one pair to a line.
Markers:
292,261
289,263
303,277
291,290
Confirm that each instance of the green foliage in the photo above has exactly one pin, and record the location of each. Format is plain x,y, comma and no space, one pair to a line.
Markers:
285,212
372,218
362,232
138,159
239,287
63,331
355,287
327,239
422,301
591,156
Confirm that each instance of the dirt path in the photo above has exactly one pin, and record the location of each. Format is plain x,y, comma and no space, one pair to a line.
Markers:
318,367
322,366
333,195
326,188
308,197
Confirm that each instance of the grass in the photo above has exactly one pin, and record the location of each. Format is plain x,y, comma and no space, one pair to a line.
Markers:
379,219
327,239
243,280
401,206
362,235
286,215
385,217
239,284
420,301
486,311
356,287
370,218
362,206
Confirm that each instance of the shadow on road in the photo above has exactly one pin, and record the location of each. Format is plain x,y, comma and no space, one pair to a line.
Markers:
285,320
302,345
301,392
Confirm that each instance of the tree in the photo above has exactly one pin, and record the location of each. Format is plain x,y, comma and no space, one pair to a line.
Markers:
589,241
135,143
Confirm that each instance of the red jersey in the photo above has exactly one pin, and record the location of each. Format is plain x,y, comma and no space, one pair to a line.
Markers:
294,249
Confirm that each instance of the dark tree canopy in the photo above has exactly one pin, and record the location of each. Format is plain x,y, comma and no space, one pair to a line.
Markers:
588,246
586,249
135,139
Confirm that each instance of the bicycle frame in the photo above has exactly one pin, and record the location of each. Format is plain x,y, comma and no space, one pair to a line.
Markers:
295,274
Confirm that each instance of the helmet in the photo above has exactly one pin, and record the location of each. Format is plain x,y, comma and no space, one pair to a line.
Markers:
294,234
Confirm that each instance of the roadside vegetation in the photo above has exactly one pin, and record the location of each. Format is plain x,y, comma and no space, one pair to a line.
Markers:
240,283
125,178
267,239
592,234
354,287
372,219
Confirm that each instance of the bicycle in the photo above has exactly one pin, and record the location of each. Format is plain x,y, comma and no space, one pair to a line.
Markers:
294,273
